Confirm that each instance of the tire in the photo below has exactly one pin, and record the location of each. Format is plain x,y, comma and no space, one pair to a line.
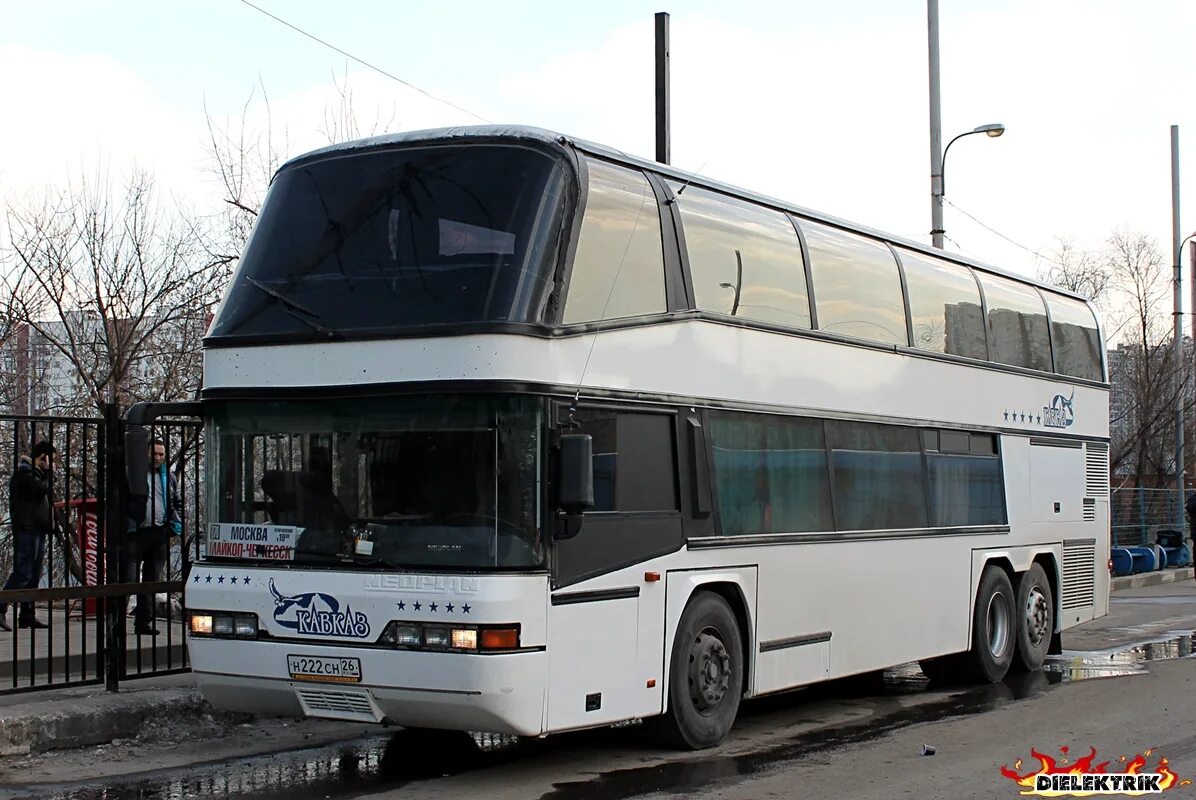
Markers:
705,676
1035,619
994,628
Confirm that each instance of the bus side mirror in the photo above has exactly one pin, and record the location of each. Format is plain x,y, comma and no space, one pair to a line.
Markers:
575,484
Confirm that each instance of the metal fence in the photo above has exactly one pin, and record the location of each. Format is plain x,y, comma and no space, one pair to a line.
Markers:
1139,514
93,571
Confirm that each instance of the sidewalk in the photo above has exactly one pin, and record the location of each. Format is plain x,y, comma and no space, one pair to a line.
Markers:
75,717
1151,578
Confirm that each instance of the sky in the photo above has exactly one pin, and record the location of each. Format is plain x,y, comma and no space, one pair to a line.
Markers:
824,105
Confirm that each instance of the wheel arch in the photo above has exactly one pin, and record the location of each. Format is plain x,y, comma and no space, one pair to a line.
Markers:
737,587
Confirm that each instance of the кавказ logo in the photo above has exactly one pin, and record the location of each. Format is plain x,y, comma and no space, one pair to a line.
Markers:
1059,414
318,614
1083,777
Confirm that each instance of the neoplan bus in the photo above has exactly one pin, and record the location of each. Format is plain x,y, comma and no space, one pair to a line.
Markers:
511,432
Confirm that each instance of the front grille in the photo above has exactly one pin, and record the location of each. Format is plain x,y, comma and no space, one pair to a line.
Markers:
337,704
1079,573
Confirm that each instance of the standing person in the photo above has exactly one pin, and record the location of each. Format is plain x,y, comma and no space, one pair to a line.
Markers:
1190,507
151,526
29,501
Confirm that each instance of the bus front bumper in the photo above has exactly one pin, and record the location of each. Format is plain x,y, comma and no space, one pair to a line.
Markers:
500,693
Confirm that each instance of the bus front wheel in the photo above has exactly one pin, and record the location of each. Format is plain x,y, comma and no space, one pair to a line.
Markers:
705,676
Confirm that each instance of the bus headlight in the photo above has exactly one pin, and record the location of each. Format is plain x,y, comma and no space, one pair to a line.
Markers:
471,639
223,625
465,639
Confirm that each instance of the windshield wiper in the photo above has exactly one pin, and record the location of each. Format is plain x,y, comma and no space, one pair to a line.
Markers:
290,307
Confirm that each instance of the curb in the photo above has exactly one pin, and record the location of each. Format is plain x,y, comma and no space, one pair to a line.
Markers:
96,717
1150,578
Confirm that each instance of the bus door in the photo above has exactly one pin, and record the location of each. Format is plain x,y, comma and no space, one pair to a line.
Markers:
606,621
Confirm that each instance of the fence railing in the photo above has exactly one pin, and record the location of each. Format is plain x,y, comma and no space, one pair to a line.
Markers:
1139,514
96,565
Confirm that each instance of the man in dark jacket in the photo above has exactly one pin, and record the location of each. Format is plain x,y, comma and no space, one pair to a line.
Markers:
29,501
152,523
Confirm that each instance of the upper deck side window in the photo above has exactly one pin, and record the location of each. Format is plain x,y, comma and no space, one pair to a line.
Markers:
857,285
379,240
618,268
944,305
1076,338
745,259
1017,324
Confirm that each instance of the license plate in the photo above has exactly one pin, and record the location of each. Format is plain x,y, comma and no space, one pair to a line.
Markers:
321,668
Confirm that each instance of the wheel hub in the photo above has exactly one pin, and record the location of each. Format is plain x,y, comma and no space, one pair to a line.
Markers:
709,671
998,624
1038,616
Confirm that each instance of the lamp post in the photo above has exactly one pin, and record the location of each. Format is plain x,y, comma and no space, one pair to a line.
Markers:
938,180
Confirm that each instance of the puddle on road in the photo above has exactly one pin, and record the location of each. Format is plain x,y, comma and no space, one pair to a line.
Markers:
1118,662
391,760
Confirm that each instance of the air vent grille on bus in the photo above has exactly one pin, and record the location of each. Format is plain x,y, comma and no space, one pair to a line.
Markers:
1079,573
350,705
1089,510
1096,469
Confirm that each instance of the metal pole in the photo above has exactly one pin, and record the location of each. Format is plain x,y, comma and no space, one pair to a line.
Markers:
1178,333
663,134
114,537
936,126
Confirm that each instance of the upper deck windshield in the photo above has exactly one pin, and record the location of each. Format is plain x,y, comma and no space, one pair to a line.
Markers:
399,482
379,240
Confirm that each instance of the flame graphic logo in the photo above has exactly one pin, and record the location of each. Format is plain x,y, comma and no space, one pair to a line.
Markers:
1048,766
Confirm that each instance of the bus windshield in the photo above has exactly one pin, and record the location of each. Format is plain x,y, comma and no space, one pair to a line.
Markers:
448,481
381,240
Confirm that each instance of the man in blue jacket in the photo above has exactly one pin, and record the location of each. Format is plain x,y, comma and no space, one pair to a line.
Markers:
30,508
151,526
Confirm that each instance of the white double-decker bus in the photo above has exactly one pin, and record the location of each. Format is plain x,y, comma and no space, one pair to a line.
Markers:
512,432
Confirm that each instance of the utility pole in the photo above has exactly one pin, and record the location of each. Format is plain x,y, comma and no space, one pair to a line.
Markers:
936,126
663,133
1178,331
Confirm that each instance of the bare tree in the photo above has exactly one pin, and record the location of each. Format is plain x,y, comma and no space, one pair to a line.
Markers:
1081,271
1149,384
117,287
243,157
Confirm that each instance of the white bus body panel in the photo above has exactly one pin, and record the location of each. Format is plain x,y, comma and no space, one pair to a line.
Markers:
687,359
882,600
496,692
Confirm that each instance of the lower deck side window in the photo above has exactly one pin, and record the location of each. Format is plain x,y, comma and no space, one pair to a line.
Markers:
776,474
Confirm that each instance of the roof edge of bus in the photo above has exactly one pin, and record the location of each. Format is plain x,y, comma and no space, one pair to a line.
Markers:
543,136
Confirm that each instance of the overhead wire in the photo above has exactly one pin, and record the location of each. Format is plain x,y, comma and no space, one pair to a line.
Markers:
365,63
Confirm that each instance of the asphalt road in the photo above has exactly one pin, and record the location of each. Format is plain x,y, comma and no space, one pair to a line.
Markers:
1131,690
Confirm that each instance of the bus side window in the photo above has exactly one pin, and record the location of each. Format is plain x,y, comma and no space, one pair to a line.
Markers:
770,474
745,259
944,303
634,460
857,285
618,268
964,472
1017,324
1077,341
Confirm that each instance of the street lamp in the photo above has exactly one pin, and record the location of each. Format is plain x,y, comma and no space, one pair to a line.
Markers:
938,182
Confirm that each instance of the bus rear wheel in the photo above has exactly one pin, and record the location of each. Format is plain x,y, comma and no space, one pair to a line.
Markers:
705,676
1035,618
994,627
